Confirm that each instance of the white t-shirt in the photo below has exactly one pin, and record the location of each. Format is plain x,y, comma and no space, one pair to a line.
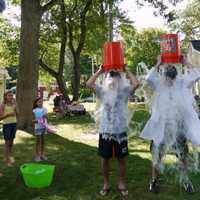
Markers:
114,116
39,114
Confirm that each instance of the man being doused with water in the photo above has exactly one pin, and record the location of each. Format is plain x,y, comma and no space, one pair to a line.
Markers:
113,94
173,119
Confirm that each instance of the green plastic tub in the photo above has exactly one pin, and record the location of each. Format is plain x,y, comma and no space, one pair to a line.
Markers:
37,175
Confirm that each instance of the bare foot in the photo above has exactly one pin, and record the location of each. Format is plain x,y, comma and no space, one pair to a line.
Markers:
12,160
122,189
9,164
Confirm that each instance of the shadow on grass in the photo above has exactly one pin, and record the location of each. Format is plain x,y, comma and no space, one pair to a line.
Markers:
77,175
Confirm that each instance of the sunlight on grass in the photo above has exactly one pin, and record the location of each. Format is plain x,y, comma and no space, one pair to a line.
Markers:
73,150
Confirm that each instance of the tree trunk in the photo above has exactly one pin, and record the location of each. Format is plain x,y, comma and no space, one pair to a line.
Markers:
27,81
76,77
62,88
59,78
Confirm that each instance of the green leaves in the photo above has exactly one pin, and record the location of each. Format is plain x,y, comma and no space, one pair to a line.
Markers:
9,43
188,23
141,46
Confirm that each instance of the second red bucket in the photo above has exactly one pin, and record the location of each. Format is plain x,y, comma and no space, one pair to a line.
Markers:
113,56
170,48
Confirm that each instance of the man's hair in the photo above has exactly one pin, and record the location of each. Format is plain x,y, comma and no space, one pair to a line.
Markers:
171,71
114,74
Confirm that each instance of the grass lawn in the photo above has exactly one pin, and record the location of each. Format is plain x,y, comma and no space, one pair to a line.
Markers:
73,150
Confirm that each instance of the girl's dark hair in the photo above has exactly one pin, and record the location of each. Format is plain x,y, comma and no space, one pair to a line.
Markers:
35,102
5,96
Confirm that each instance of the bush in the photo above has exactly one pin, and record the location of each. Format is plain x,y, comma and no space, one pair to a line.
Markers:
85,92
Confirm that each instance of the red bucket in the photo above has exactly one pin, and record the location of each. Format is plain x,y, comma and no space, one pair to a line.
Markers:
170,48
113,56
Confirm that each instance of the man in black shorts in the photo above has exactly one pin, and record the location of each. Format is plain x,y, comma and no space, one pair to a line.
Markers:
113,94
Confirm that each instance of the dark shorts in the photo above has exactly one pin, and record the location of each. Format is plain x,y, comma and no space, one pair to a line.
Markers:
9,131
111,147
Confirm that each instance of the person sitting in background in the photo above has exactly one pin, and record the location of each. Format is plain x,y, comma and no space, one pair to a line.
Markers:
76,108
60,106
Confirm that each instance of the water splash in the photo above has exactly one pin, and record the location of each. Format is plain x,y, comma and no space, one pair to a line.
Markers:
112,114
171,108
140,116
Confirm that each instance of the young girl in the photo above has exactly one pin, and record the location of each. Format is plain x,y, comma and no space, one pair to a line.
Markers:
8,115
40,114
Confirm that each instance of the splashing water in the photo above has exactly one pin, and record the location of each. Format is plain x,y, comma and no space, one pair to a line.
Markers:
168,126
145,91
112,115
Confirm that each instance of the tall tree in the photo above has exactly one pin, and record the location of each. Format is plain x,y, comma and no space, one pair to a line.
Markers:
77,15
27,84
59,75
187,21
56,29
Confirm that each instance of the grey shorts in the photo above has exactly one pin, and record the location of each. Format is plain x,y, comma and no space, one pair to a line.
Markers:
40,131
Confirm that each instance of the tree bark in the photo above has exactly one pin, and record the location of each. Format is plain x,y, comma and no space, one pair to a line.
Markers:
76,77
60,80
27,81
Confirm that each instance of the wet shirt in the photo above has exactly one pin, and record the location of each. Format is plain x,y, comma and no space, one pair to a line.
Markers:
172,110
113,111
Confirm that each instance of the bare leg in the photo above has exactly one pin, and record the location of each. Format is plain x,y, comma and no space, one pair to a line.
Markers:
182,156
154,172
42,156
7,152
38,144
157,154
12,160
121,183
196,158
122,169
105,172
42,145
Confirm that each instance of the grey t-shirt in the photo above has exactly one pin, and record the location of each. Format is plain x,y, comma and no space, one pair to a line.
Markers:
113,112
